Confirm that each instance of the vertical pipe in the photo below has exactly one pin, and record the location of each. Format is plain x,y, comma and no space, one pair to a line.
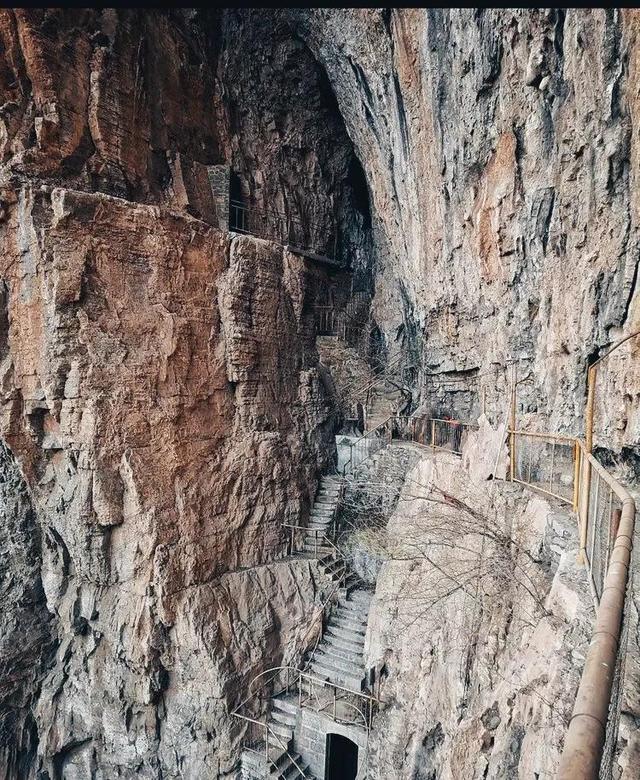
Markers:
576,477
588,446
512,459
433,434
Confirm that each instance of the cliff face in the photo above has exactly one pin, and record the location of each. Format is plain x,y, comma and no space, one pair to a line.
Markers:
498,148
161,403
465,628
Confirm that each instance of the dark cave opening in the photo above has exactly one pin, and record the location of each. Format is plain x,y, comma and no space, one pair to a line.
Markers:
341,758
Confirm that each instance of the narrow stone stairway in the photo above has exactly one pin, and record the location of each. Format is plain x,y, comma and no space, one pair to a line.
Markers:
338,657
384,400
322,515
285,762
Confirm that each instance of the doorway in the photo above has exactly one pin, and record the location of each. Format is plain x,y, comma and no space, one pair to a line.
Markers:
341,758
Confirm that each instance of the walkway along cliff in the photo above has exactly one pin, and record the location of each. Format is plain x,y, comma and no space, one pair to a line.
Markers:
319,393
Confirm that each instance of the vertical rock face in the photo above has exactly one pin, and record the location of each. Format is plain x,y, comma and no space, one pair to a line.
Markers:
498,148
161,398
27,636
162,409
466,637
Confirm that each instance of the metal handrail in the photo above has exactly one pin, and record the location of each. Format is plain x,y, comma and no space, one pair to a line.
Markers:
586,734
268,731
299,676
369,436
432,424
242,224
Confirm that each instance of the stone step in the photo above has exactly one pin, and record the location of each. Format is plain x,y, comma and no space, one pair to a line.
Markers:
318,525
286,705
310,549
358,600
318,517
326,497
351,610
322,510
283,718
354,626
284,732
343,649
286,768
335,661
353,653
354,622
346,635
337,676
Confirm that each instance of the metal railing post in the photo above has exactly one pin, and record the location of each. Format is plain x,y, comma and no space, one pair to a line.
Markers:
586,476
576,476
512,458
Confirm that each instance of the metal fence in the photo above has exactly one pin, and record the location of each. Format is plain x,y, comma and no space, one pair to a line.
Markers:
563,468
432,432
547,463
366,446
600,512
303,235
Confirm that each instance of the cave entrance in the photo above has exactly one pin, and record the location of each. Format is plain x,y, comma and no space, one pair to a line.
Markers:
342,758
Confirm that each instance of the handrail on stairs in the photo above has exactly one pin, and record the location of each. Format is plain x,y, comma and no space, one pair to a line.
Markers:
385,428
300,676
274,737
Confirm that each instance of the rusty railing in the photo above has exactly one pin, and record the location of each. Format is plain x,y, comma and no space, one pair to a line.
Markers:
432,432
298,234
366,446
561,467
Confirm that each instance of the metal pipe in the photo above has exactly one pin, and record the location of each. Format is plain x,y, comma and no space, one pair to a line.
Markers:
586,734
512,425
588,446
576,475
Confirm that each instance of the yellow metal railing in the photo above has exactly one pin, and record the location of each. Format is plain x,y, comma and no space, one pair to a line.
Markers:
547,463
561,467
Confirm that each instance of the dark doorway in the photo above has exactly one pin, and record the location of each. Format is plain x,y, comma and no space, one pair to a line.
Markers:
342,758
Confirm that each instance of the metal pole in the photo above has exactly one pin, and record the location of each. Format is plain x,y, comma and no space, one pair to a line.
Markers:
576,477
512,459
587,730
586,476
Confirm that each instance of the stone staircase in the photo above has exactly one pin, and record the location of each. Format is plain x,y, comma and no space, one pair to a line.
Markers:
317,542
384,400
322,515
338,657
285,763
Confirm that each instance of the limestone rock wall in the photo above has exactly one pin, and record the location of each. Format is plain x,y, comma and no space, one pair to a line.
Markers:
143,397
499,150
480,651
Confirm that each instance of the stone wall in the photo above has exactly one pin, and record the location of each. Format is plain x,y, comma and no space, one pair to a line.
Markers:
163,436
